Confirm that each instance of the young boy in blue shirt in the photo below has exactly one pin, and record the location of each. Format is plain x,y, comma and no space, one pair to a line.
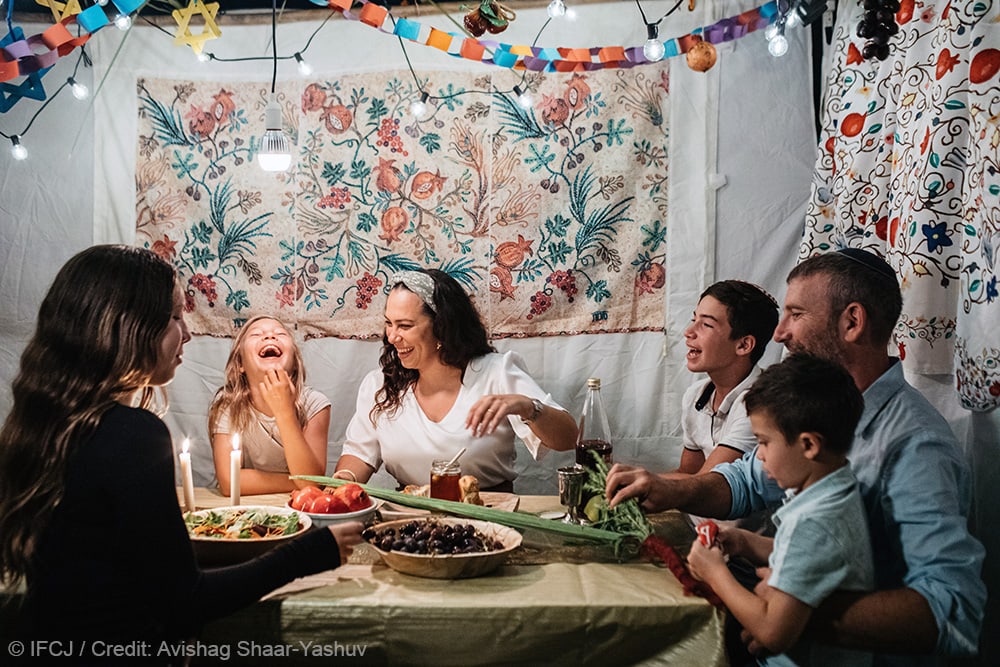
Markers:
803,412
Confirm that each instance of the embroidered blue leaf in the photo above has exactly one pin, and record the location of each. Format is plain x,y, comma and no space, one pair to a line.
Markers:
557,225
655,237
431,142
333,267
366,222
238,300
359,170
954,104
200,257
598,291
201,232
332,173
934,159
558,252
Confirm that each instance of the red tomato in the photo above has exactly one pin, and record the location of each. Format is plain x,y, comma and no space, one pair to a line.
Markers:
984,66
300,497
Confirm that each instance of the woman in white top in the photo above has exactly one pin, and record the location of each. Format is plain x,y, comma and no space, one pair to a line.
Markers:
282,423
442,387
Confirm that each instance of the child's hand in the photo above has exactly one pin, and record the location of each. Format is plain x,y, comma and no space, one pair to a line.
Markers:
703,561
277,391
733,541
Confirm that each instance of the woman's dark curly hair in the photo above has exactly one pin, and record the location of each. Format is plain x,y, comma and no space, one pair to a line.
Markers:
455,323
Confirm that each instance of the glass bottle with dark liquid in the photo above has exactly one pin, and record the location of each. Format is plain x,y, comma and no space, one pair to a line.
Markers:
595,434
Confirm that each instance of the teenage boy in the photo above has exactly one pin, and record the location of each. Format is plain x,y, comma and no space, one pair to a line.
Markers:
731,326
804,411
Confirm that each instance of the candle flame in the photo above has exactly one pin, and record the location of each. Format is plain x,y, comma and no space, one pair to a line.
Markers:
236,442
186,445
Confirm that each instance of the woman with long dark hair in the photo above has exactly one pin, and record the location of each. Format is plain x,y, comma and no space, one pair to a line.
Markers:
89,517
442,387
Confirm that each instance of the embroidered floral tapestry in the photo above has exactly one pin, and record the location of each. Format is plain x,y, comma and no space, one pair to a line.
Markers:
551,215
909,167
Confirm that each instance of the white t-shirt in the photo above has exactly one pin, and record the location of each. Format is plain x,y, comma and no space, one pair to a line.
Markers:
261,445
705,429
407,441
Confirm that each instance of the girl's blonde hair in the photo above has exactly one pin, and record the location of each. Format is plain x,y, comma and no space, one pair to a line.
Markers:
97,341
234,396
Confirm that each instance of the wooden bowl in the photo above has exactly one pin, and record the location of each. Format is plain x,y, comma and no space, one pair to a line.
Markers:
457,566
217,551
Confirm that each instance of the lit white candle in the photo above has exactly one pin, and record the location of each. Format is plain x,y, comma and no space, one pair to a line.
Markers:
235,463
186,479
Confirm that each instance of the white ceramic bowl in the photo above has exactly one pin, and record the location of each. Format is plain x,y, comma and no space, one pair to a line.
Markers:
214,551
329,519
457,566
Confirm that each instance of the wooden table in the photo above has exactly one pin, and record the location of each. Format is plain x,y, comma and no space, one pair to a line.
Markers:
552,613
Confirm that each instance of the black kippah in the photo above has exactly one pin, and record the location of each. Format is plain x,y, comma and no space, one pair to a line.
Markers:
869,260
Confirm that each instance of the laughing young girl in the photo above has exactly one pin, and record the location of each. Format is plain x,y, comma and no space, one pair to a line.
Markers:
282,423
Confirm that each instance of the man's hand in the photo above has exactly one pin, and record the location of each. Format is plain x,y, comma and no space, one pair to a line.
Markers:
626,482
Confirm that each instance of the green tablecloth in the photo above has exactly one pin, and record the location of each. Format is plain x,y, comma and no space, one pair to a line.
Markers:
568,612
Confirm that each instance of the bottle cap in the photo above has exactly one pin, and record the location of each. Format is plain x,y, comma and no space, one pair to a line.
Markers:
593,383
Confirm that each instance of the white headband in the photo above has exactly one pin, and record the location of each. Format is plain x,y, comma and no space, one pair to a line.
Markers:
419,283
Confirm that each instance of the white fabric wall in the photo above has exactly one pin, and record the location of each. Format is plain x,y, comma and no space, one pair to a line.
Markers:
742,153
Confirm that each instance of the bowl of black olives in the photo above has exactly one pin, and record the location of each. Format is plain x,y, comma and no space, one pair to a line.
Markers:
442,547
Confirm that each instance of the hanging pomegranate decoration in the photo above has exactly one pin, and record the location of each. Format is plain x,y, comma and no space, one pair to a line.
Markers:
489,16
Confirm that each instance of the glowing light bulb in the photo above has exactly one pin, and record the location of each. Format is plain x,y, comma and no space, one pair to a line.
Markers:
653,49
80,91
793,19
778,46
123,22
570,14
102,3
274,153
305,69
419,107
556,9
523,98
203,57
17,151
770,31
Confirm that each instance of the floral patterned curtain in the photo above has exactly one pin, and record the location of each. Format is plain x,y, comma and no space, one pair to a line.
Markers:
553,216
909,167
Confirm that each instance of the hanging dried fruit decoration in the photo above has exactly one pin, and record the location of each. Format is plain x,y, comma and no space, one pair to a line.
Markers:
489,16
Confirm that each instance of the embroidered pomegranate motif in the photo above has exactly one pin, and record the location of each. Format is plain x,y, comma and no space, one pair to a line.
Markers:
576,91
313,98
387,177
223,106
511,253
502,282
425,184
394,221
337,118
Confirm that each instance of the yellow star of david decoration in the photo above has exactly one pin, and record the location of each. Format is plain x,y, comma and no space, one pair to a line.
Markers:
183,18
61,10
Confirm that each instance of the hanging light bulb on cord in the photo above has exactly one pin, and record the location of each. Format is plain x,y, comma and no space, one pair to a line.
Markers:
419,107
556,9
17,151
523,98
653,49
123,22
80,91
777,44
274,153
305,69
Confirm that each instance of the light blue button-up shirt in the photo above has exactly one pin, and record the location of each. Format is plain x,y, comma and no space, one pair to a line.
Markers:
917,491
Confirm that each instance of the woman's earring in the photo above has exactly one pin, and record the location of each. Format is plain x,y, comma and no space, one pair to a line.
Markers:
439,345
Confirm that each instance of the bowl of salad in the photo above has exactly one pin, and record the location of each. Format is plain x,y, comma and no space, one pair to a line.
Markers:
228,535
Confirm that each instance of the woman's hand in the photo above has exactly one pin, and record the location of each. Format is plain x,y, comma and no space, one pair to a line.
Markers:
348,536
485,415
277,391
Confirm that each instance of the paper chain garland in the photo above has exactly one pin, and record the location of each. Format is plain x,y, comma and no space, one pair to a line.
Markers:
18,56
550,59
